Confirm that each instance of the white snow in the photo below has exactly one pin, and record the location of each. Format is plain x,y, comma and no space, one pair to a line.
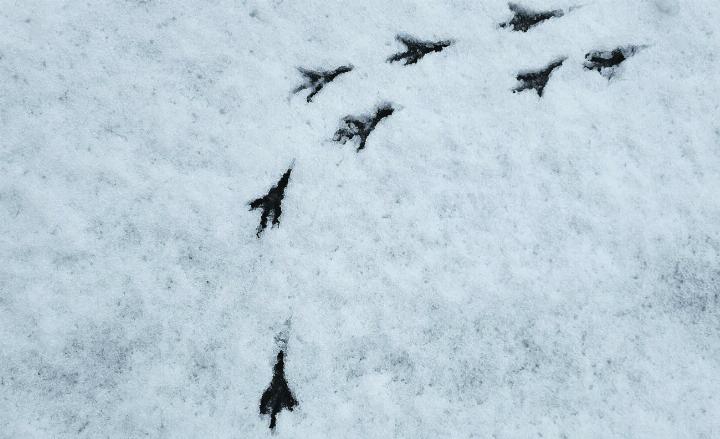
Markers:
490,265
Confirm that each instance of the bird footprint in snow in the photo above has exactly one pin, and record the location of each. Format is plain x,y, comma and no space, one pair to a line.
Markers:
537,79
361,126
524,18
271,204
606,62
315,80
416,49
278,395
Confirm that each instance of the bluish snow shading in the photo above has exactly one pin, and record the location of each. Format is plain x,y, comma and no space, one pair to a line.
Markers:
491,265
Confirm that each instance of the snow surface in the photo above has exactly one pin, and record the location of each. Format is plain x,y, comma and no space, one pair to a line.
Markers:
491,265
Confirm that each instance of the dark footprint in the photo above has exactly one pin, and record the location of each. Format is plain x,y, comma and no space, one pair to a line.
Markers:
278,395
416,49
606,62
315,80
525,18
271,203
361,126
537,80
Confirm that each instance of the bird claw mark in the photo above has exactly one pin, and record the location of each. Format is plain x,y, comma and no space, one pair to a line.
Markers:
315,80
524,18
606,62
278,395
417,49
271,204
362,126
537,79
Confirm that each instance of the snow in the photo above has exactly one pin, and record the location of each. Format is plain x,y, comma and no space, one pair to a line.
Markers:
490,265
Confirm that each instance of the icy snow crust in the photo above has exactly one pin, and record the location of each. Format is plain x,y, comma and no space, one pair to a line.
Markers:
490,265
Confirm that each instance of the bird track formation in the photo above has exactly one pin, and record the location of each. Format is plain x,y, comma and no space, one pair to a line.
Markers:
278,396
416,49
362,126
537,79
315,80
524,18
606,62
271,204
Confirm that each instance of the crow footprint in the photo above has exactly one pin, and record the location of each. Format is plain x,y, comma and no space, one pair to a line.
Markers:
606,62
361,126
537,79
271,203
278,395
524,18
416,49
315,80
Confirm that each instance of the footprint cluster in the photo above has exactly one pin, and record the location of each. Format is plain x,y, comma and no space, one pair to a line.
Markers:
277,396
352,128
605,62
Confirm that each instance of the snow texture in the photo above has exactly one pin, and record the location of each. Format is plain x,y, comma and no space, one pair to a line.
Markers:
492,265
